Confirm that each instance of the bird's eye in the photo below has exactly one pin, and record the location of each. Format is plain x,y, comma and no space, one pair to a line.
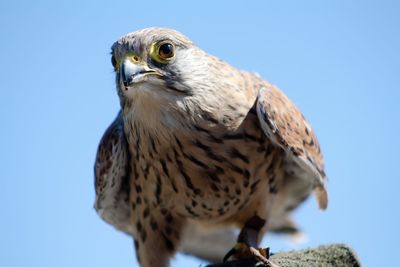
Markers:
114,62
166,51
162,52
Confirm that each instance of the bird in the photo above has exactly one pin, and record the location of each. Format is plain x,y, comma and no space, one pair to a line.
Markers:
198,148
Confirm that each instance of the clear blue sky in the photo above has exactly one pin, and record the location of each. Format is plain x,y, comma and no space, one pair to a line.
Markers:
339,61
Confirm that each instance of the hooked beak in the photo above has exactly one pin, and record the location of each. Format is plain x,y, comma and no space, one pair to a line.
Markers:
131,73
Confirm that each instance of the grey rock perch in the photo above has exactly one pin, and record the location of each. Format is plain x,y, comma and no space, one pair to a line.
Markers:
331,255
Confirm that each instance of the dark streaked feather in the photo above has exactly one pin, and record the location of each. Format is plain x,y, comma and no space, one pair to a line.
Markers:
287,127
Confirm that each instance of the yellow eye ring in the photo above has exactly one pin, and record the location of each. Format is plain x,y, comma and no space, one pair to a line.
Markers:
133,57
162,52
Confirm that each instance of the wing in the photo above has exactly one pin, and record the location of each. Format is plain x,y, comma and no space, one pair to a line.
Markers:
284,124
112,172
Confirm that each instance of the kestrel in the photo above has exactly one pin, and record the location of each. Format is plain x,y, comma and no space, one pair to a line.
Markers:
200,145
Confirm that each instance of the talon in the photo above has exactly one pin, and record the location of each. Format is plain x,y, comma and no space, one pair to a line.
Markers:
229,254
245,251
265,252
238,251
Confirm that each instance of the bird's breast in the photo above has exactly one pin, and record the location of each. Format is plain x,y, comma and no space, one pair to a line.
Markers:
204,171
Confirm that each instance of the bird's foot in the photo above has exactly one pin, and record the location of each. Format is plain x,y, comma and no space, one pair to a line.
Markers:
243,251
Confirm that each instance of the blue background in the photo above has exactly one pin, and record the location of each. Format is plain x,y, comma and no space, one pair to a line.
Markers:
337,60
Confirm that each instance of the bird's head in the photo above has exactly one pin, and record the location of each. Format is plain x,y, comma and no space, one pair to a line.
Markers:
161,74
155,62
164,64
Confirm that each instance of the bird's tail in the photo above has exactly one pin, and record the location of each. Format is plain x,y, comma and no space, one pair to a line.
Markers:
285,225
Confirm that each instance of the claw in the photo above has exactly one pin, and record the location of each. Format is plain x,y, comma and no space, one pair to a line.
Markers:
229,254
247,243
244,251
240,251
265,252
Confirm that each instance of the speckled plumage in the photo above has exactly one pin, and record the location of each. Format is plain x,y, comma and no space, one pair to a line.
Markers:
201,144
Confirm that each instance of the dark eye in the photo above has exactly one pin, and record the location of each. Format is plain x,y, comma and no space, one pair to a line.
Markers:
114,61
162,52
166,51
